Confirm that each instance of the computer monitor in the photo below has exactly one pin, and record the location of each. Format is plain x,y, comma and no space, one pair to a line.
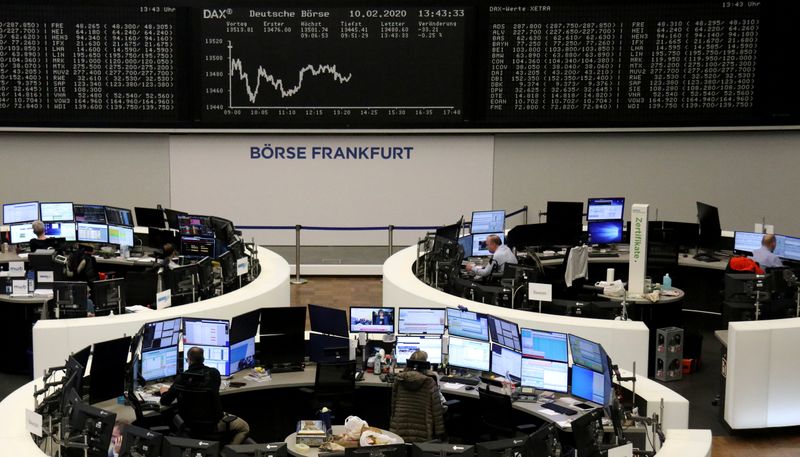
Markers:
56,212
172,218
244,326
206,332
243,355
157,238
150,217
469,354
224,230
605,232
71,297
545,375
479,248
64,230
260,450
182,447
506,362
330,321
21,233
505,333
205,278
787,247
434,449
119,216
140,441
564,222
183,282
588,384
605,209
371,320
327,348
466,243
283,320
540,344
747,241
195,226
586,353
488,221
90,214
159,363
214,356
287,348
467,324
510,447
228,264
160,334
107,372
421,321
407,345
450,232
197,247
388,450
119,235
14,213
92,233
109,296
710,230
96,424
141,287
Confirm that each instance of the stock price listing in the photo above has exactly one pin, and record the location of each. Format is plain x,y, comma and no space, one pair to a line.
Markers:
333,66
95,64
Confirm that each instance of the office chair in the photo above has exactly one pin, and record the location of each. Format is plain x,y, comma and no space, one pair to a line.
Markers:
662,258
334,387
497,415
199,413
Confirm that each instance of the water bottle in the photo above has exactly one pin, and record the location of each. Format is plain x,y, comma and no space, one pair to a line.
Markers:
666,283
31,284
376,366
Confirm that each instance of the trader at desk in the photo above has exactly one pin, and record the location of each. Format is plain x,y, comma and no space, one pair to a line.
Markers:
501,255
41,241
765,255
200,377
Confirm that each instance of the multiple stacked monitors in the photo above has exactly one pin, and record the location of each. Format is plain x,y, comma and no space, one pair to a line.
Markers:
371,320
605,209
505,333
92,214
20,212
407,345
488,221
479,248
467,324
588,384
586,353
56,212
506,362
415,321
469,354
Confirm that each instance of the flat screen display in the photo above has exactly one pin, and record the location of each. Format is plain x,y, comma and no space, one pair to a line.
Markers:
506,363
605,232
20,212
479,248
586,353
747,241
505,333
243,355
604,209
469,354
588,385
407,345
467,324
539,344
160,363
371,320
421,321
56,212
545,375
92,233
488,221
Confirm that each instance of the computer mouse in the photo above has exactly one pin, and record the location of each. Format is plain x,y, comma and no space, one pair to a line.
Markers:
469,388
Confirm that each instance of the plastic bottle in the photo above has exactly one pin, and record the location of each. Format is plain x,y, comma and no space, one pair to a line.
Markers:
31,283
376,366
666,283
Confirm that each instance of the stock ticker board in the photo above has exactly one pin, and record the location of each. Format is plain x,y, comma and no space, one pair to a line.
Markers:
462,65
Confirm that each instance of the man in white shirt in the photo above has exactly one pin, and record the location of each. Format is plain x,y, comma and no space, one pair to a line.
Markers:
765,255
501,255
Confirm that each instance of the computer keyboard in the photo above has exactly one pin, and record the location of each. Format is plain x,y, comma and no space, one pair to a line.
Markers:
560,409
603,254
460,380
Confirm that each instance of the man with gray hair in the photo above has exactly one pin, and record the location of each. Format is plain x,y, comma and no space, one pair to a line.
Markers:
40,242
765,255
501,255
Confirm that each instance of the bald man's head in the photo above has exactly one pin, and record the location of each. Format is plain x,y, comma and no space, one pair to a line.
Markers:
769,242
493,242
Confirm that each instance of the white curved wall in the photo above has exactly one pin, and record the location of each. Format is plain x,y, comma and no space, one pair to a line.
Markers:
55,339
626,342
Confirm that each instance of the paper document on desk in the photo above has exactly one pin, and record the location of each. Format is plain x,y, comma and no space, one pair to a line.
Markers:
549,412
137,309
43,292
148,398
452,385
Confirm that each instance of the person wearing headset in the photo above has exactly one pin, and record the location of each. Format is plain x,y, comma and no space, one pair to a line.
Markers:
209,379
501,255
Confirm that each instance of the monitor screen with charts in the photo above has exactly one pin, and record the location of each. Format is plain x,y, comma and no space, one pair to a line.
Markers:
588,385
119,216
545,375
56,212
119,235
505,333
92,214
161,363
64,230
604,209
92,233
506,363
467,324
21,233
407,345
415,321
14,213
215,357
371,320
243,355
469,354
488,221
161,334
539,344
195,226
205,332
747,241
586,353
195,246
787,247
479,248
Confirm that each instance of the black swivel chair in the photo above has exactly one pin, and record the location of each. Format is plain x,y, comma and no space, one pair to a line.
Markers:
497,415
334,387
199,413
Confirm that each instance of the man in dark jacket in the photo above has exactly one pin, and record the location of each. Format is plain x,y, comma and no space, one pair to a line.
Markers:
200,377
417,412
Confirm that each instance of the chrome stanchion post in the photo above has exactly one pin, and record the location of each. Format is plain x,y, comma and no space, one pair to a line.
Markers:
297,279
391,240
525,215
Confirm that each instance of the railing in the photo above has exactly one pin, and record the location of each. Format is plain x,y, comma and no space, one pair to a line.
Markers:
389,228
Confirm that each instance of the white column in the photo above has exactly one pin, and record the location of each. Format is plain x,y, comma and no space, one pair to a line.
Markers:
637,265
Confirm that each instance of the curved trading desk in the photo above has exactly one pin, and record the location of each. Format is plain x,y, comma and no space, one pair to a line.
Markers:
16,441
55,339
